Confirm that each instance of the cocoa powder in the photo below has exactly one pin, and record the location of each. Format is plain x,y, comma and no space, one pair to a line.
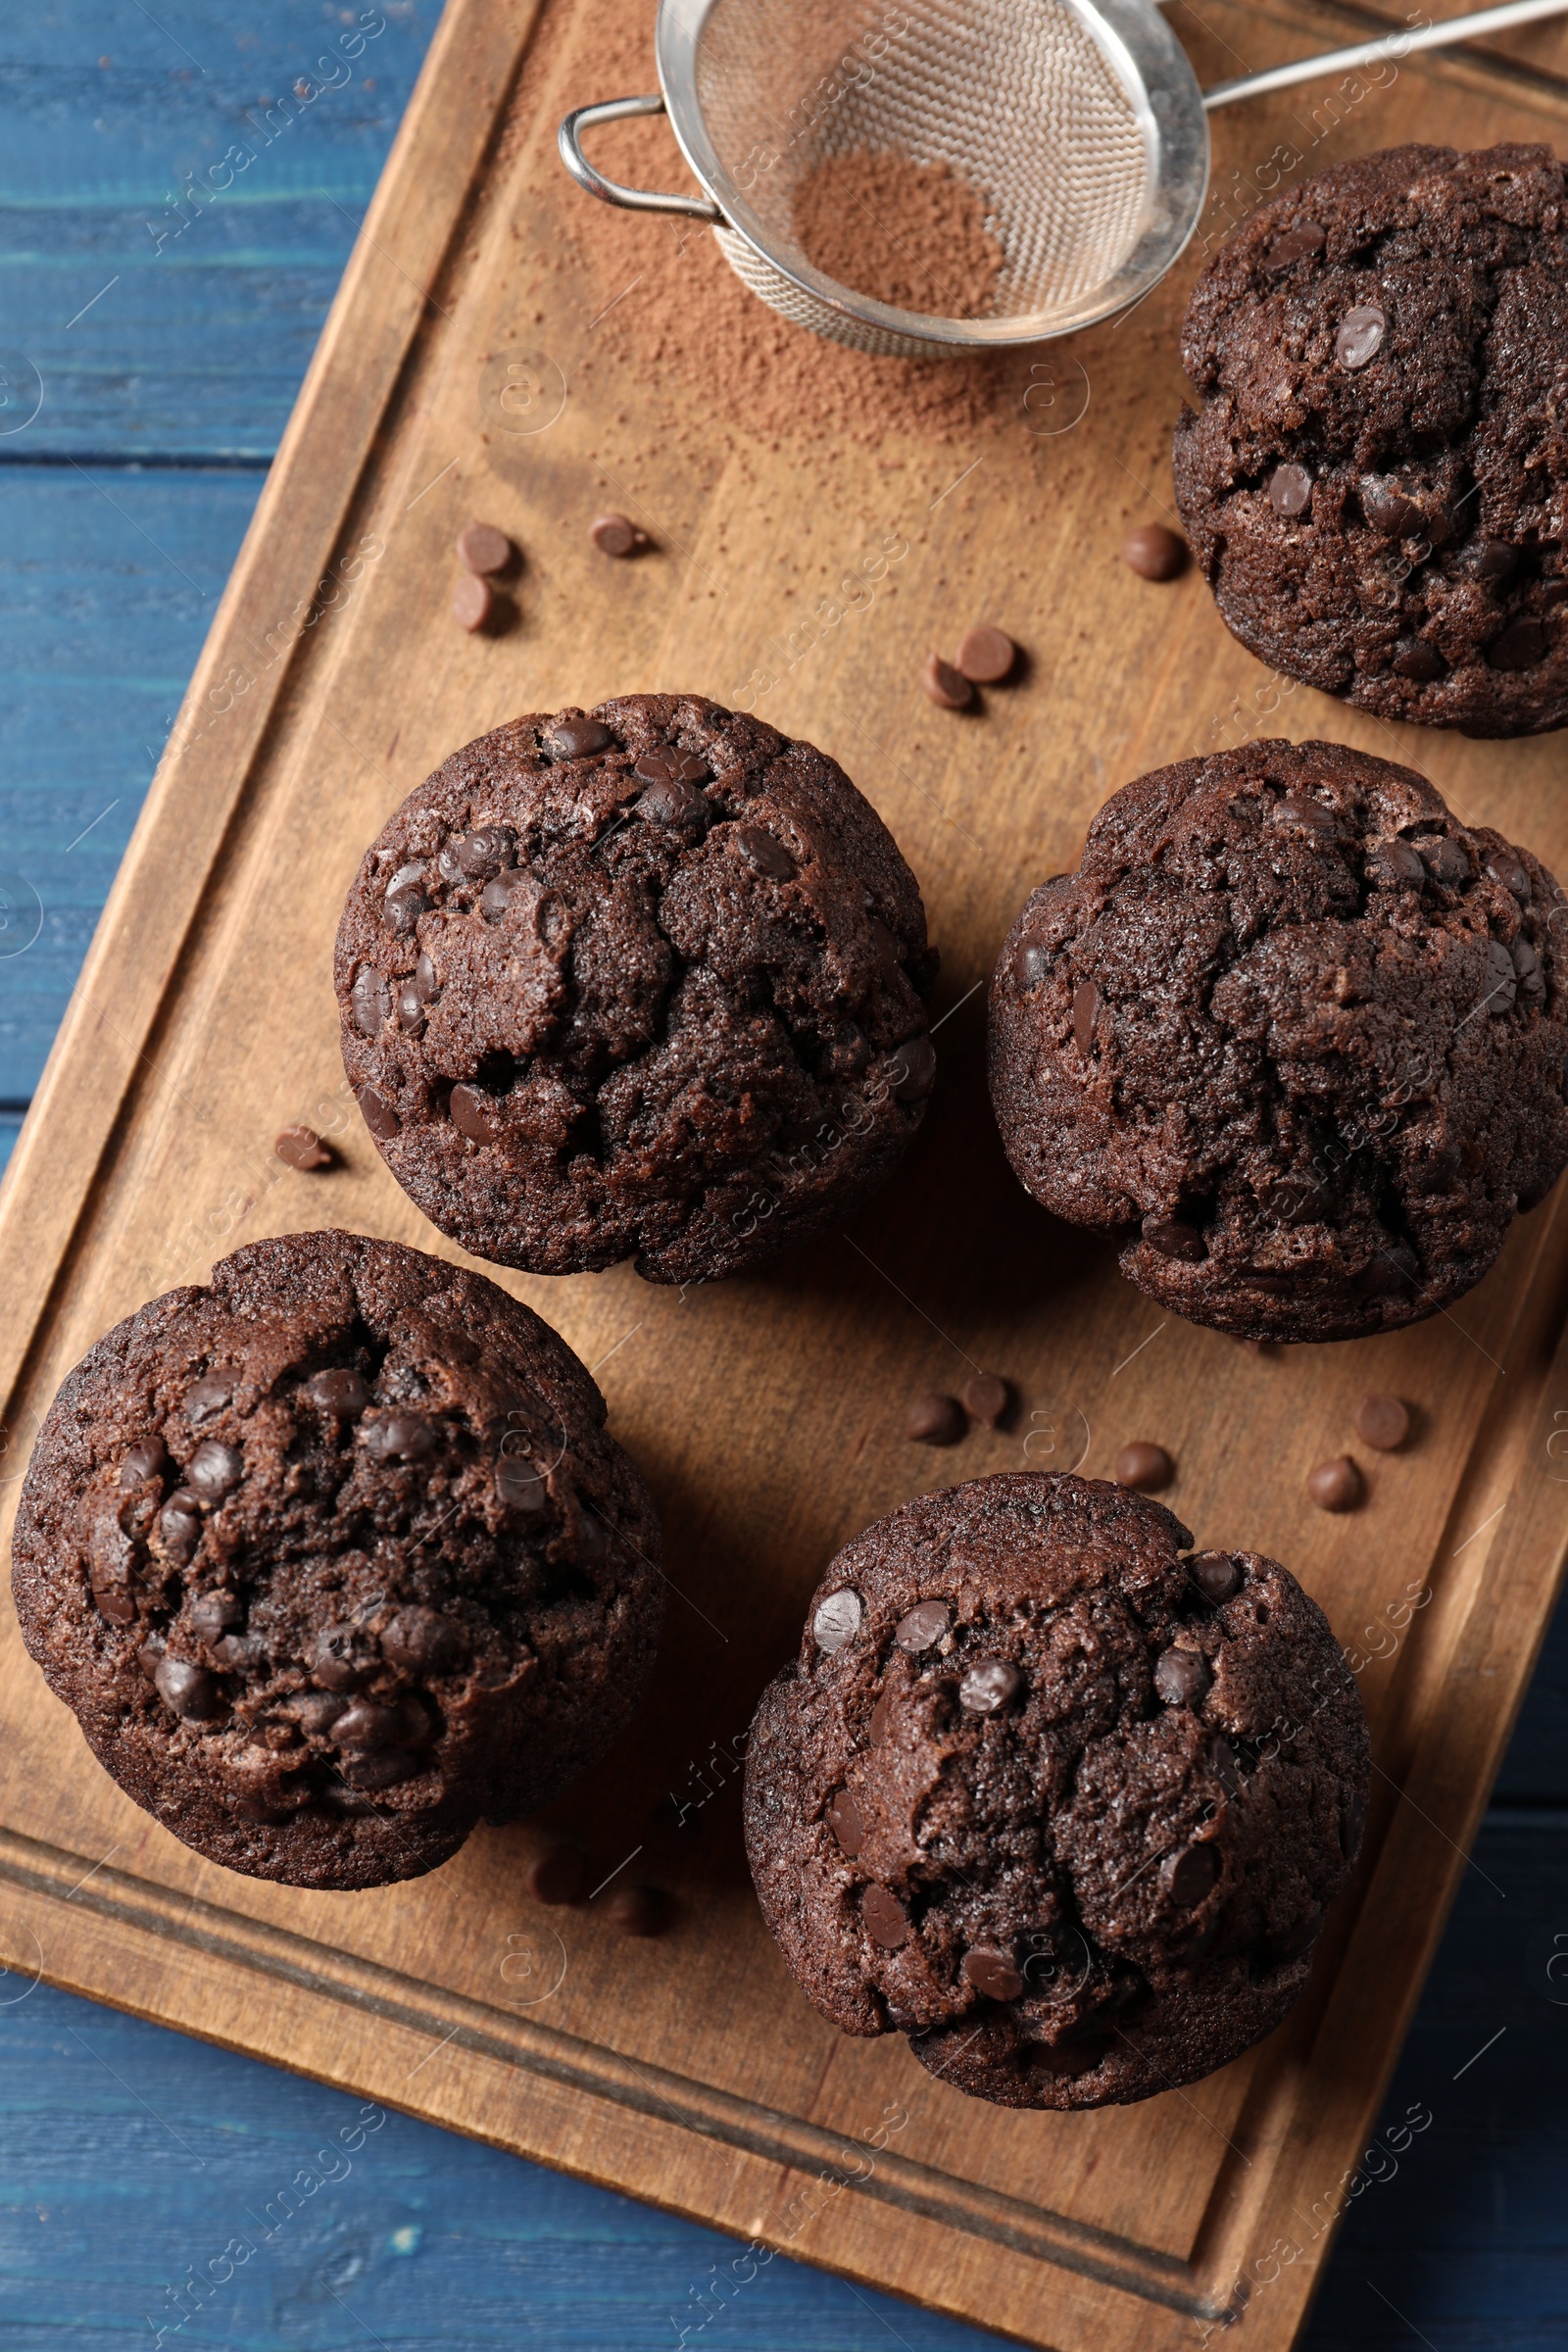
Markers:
906,234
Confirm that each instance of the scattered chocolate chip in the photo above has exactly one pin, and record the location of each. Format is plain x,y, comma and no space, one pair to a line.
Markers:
615,535
638,1910
1215,1574
400,1438
1181,1677
1391,1270
1527,964
671,768
1223,1765
179,1523
1388,510
475,1114
765,853
986,657
341,1392
482,854
142,1460
482,548
1382,1421
371,1000
1289,490
923,1627
207,1396
838,1619
520,1485
473,603
987,1398
1335,1485
1154,553
1172,1239
577,738
1031,961
1361,335
844,1820
210,1614
378,1767
496,896
342,1658
303,1148
1297,244
1523,643
877,1730
424,1641
1307,815
993,1974
1298,1201
241,1653
1420,662
559,1875
378,1114
913,1070
1503,980
1395,866
1443,860
214,1470
886,1920
672,802
935,1420
989,1685
1489,560
367,1723
1191,1875
1511,871
1142,1465
1085,1006
946,687
189,1690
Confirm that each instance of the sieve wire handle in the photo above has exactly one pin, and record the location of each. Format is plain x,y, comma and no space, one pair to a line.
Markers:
1390,46
610,192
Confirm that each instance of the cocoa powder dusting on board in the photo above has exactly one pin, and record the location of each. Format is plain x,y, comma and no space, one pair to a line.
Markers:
906,234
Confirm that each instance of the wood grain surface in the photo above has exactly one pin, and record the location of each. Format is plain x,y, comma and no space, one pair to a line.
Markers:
767,1412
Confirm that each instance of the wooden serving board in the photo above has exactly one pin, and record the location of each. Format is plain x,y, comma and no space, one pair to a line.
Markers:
485,292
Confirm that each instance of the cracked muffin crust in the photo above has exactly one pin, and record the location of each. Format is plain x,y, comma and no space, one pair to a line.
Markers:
641,981
335,1556
1376,482
1058,1804
1295,1034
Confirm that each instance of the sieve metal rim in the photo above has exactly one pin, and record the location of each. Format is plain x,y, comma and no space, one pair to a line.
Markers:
1152,70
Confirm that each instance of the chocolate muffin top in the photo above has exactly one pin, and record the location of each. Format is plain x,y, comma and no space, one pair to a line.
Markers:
1376,482
642,980
334,1555
1059,1804
1295,1034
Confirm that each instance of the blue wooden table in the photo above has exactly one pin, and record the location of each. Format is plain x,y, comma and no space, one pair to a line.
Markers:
131,2157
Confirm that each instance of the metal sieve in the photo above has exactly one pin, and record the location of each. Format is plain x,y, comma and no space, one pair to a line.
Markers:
1081,123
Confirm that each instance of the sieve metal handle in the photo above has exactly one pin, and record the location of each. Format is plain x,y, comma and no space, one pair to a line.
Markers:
610,192
1388,48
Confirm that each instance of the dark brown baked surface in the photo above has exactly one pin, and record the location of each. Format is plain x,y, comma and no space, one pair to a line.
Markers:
1376,481
1064,1807
1295,1034
335,1556
641,982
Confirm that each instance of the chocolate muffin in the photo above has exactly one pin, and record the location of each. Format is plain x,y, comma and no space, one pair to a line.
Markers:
1376,483
1061,1804
1294,1035
642,981
334,1556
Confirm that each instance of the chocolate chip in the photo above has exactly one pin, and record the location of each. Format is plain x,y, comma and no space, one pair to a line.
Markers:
424,1641
838,1619
1215,1574
1298,1201
341,1657
1085,1006
1191,1875
411,1010
1489,560
520,1485
1527,964
877,1731
367,1723
210,1614
116,1601
1415,659
496,896
483,853
671,768
180,1526
1223,1765
945,686
615,535
1031,961
425,983
1511,871
1289,490
482,548
1502,980
378,1114
1443,860
473,603
637,1910
1154,553
1297,245
592,1539
1395,866
1335,1485
1353,1820
1392,1269
935,1420
887,1923
303,1148
1181,1677
987,1398
986,657
1388,510
214,1470
341,1392
559,1875
379,1768
142,1460
1300,810
370,1000
913,1070
475,1114
1144,1466
1172,1239
207,1396
844,1820
670,801
765,853
400,1438
189,1690
993,1974
242,1653
1361,335
1382,1421
1523,643
989,1685
577,738
402,909
923,1627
